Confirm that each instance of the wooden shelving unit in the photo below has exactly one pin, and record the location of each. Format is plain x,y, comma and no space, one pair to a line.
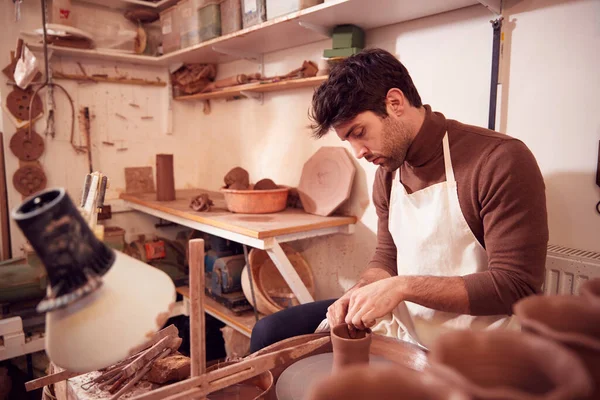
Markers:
296,29
243,90
242,323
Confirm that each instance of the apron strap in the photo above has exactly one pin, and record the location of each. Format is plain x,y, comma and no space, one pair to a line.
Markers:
447,160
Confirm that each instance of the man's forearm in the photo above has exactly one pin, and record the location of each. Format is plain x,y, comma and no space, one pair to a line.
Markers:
371,275
440,293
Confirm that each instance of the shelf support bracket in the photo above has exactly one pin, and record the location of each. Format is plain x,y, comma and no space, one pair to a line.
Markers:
253,95
326,32
494,6
254,57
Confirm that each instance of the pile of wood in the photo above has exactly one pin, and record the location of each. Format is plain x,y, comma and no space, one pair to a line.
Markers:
156,361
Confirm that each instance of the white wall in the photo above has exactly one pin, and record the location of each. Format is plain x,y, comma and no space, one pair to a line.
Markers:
142,138
549,74
551,98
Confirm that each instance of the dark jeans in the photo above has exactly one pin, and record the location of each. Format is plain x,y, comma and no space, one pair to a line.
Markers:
294,321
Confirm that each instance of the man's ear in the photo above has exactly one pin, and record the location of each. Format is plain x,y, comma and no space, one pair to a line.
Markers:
395,102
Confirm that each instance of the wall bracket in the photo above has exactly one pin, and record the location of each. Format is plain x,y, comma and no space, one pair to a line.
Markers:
326,32
253,95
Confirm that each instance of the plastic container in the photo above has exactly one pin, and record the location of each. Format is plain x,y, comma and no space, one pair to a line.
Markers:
256,201
170,24
231,16
278,8
254,12
199,21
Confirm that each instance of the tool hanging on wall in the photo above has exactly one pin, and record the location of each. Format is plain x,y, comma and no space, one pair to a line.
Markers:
29,180
27,147
24,104
51,85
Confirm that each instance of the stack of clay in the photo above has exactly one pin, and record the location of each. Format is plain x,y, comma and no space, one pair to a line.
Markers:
239,179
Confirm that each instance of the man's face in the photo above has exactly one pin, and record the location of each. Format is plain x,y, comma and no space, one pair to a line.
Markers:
381,141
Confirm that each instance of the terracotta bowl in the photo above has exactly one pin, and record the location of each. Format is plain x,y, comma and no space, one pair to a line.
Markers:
263,383
572,321
591,290
509,365
384,383
256,201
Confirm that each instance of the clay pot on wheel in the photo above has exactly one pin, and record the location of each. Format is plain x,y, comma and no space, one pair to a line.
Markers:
349,350
509,365
591,290
383,383
572,321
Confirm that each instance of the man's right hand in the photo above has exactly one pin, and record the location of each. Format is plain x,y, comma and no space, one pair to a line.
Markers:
336,313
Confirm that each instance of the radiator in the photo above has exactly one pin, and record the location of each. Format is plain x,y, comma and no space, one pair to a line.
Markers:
567,269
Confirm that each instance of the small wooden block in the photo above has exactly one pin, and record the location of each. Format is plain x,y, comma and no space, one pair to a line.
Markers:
139,180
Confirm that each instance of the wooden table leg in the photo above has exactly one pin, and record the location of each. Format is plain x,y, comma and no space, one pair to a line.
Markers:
197,328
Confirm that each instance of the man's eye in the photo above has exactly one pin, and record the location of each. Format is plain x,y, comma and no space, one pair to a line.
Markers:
360,134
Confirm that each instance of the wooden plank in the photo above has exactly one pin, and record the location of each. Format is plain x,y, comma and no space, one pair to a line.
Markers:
255,226
4,221
256,88
244,322
49,380
197,331
107,79
139,180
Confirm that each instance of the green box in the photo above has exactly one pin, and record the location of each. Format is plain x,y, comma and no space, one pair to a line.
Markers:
331,53
346,36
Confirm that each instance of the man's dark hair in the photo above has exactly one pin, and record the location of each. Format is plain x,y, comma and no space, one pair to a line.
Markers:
357,84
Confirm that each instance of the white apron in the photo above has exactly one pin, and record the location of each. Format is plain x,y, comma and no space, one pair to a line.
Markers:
433,238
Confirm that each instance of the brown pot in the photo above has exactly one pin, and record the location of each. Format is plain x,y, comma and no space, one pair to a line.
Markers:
349,350
509,365
572,321
591,290
383,383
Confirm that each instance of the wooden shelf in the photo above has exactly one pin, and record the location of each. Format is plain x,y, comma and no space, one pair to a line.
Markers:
292,30
261,227
256,88
242,323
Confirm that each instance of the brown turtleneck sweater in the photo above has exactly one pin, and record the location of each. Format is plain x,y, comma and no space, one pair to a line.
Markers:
502,197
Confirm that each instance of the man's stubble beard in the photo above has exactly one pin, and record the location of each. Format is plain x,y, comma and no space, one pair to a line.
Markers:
396,141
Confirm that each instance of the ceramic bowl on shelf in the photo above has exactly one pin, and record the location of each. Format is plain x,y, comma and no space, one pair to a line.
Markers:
256,201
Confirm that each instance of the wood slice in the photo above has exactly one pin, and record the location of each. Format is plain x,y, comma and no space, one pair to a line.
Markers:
26,147
29,180
18,101
326,180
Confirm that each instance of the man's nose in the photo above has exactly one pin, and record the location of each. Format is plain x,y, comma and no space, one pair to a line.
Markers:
359,150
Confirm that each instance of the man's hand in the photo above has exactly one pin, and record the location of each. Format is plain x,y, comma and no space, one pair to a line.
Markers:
373,301
336,313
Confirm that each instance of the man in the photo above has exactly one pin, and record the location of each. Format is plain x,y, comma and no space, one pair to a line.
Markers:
462,229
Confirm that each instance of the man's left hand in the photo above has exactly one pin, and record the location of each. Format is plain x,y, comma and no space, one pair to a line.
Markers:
373,301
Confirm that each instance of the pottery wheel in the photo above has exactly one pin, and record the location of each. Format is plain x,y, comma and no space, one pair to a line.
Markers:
18,101
25,147
295,382
29,180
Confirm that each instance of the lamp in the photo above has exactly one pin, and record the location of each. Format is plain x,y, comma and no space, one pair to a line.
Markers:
100,303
